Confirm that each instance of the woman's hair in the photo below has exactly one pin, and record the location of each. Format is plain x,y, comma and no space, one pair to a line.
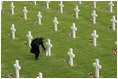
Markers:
43,38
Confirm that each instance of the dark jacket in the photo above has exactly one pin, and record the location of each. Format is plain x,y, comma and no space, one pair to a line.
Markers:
35,45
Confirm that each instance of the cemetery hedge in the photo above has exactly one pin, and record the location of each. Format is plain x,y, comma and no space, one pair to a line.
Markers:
54,66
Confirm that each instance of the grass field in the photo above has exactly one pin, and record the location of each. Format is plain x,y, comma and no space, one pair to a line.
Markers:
54,66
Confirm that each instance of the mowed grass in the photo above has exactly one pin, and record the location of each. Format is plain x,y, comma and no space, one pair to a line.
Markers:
54,66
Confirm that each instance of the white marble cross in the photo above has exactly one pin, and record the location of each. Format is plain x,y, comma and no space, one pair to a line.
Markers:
97,66
40,75
12,8
49,46
34,2
61,6
47,2
113,22
1,4
55,23
70,53
94,4
25,13
111,6
74,29
95,36
13,31
16,65
80,2
94,16
77,10
30,38
39,17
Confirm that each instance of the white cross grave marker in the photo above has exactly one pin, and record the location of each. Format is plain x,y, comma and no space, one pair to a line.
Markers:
30,38
77,10
40,75
80,2
61,6
12,8
16,65
25,13
94,4
70,53
94,16
49,46
55,23
13,31
113,22
111,6
95,36
47,2
97,66
34,2
74,29
1,4
39,17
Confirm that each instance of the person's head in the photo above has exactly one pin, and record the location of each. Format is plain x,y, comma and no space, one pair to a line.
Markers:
43,38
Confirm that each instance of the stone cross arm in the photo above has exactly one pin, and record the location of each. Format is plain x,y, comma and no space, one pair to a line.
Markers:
13,29
71,54
76,9
17,66
74,28
24,10
48,44
29,36
94,35
61,5
111,4
12,6
97,65
39,15
113,20
95,15
55,21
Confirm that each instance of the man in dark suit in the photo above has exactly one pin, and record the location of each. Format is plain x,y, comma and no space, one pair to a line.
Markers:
35,46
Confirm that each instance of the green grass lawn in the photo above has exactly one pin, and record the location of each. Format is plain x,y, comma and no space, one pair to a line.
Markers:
54,66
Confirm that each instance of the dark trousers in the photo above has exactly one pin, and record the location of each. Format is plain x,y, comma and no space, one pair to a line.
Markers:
36,51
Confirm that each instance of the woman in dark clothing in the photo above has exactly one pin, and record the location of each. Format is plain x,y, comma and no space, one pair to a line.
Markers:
35,46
